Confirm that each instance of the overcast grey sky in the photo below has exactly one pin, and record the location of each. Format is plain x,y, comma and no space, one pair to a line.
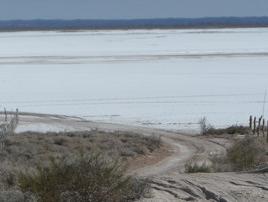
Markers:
121,9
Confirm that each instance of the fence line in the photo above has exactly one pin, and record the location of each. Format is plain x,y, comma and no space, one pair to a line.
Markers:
258,127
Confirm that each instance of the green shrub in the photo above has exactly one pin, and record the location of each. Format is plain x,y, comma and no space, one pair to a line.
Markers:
85,179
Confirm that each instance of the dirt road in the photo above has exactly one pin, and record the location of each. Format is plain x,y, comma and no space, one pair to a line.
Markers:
169,182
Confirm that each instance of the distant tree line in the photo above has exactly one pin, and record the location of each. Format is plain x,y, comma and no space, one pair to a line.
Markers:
218,22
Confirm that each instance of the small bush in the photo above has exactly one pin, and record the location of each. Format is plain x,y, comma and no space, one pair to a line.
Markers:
153,142
8,177
220,163
59,141
246,153
85,179
191,167
204,126
207,129
235,129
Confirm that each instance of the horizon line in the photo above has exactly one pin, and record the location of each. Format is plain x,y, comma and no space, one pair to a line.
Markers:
130,19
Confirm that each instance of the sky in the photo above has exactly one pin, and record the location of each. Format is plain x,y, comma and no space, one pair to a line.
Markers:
129,9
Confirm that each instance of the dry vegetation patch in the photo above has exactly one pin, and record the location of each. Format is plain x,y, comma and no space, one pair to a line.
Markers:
83,178
30,149
248,153
245,154
28,153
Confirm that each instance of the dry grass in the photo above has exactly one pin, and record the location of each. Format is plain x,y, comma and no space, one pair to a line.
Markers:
247,153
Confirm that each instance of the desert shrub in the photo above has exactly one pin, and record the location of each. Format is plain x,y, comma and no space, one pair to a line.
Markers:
85,178
13,196
235,129
204,126
191,167
220,163
8,177
153,142
246,153
59,141
208,129
136,144
7,129
126,152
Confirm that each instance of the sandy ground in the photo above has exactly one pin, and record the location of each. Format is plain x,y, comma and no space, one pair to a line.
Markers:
169,181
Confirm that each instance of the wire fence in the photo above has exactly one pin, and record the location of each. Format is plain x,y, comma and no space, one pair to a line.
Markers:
258,126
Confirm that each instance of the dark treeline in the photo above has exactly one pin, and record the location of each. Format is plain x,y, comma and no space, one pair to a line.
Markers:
219,22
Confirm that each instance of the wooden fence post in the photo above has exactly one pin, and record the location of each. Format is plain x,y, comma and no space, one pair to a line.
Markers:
17,116
259,126
263,127
254,126
250,124
267,132
5,112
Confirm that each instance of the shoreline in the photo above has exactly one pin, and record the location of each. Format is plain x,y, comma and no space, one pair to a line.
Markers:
130,29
